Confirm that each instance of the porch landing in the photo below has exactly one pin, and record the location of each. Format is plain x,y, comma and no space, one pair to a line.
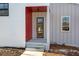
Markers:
37,41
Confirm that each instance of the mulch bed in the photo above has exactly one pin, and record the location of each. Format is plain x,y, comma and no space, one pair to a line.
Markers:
11,51
64,50
52,54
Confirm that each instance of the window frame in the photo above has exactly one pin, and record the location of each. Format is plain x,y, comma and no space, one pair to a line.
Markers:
5,9
62,24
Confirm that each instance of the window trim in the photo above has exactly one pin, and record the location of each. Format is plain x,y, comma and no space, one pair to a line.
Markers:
5,9
62,22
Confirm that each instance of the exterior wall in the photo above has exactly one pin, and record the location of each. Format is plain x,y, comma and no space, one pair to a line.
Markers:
12,27
37,4
34,15
57,36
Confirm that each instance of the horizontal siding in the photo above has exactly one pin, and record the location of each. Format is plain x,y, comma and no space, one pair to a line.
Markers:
57,36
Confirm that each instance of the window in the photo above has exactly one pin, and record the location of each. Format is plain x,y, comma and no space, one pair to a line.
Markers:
40,27
4,9
65,23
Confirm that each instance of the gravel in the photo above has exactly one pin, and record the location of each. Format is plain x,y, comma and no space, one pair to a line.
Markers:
11,51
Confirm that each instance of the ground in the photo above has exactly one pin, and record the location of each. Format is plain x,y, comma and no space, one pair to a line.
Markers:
60,50
11,51
55,50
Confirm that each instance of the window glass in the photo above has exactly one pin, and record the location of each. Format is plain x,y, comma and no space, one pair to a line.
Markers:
40,27
65,23
4,9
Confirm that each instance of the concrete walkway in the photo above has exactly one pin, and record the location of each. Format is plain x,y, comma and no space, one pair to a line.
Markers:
33,52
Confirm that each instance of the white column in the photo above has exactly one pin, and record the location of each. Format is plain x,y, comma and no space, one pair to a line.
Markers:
48,29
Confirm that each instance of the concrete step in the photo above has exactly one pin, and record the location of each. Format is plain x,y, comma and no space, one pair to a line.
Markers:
36,46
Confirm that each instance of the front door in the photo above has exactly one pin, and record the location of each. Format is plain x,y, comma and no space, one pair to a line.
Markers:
40,27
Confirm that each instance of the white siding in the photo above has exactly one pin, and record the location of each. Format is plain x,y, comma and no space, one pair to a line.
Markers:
37,4
12,27
71,37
